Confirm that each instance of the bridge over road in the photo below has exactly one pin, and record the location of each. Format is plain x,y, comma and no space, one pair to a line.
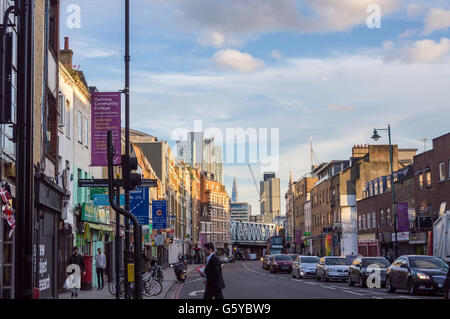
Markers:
250,238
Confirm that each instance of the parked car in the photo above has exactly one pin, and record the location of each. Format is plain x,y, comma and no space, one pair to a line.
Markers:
280,262
361,268
265,262
332,268
305,266
417,272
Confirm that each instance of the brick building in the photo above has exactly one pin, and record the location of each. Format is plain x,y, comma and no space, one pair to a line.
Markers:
376,235
432,184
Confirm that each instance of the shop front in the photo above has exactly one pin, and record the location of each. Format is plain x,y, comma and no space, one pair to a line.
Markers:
96,233
418,242
368,245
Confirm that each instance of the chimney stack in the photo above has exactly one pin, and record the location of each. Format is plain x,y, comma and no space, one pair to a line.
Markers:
66,55
66,44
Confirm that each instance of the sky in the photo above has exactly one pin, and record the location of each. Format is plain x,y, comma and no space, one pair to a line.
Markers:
326,70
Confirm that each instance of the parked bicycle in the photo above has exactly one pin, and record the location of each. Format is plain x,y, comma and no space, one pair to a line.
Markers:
150,286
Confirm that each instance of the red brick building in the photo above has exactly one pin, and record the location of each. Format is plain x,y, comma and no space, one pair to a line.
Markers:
432,183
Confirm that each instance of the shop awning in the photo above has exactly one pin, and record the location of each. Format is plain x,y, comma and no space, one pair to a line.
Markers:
101,227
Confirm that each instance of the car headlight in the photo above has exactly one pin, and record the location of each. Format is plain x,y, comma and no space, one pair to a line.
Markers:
422,276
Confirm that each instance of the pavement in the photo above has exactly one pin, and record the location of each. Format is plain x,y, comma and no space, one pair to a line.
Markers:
247,280
169,281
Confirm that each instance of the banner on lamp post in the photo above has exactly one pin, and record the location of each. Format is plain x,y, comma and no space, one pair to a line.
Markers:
402,217
105,116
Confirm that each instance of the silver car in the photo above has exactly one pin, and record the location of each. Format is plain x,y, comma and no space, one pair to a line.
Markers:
305,266
332,268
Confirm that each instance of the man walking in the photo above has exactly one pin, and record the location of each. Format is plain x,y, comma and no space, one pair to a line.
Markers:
213,274
77,259
100,265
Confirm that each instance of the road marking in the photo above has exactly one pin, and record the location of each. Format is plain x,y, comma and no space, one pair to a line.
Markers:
328,287
194,293
377,297
352,292
311,283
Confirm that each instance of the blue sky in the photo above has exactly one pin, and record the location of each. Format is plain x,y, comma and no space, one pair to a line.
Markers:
310,68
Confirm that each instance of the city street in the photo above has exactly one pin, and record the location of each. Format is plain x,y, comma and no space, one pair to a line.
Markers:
247,280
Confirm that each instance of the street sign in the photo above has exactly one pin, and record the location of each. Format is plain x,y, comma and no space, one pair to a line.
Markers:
159,240
139,205
159,214
103,200
117,182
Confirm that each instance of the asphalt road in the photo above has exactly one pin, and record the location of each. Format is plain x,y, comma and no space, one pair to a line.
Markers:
247,280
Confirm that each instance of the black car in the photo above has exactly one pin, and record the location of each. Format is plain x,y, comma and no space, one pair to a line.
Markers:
416,272
362,267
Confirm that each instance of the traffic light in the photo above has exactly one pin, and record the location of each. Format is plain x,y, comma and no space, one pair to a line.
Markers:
6,60
130,180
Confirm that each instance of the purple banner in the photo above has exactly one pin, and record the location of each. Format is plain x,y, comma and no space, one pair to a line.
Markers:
105,117
402,217
298,237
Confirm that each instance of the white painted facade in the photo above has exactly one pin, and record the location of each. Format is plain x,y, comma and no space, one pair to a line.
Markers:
349,217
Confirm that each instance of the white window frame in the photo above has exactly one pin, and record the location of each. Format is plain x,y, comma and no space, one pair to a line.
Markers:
80,127
68,119
86,131
61,110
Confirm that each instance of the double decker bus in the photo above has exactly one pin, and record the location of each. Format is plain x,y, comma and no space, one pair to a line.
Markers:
275,245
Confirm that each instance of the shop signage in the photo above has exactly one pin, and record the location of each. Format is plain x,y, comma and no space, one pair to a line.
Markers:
401,236
105,116
93,214
417,238
367,238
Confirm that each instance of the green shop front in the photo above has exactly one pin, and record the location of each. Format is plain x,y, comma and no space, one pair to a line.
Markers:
96,232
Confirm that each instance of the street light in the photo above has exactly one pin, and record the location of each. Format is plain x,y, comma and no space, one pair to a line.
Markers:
376,137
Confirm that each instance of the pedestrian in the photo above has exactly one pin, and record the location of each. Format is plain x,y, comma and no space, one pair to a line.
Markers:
77,259
212,274
100,265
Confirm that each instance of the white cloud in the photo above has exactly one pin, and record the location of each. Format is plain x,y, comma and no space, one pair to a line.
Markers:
222,22
212,38
340,108
236,60
424,51
276,54
414,9
436,19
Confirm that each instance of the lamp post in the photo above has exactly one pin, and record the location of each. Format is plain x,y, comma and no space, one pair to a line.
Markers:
376,137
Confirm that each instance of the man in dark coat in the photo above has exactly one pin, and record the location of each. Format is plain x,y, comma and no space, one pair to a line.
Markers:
213,274
77,259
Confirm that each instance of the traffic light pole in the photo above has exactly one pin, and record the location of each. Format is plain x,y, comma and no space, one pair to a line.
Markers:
127,136
126,213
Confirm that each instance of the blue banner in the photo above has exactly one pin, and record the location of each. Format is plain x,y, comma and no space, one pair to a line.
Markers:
159,214
139,205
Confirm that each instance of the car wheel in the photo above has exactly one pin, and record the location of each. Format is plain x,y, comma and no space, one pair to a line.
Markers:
350,282
411,287
388,285
362,282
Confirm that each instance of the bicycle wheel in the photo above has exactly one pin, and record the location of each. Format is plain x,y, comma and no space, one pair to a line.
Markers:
158,287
